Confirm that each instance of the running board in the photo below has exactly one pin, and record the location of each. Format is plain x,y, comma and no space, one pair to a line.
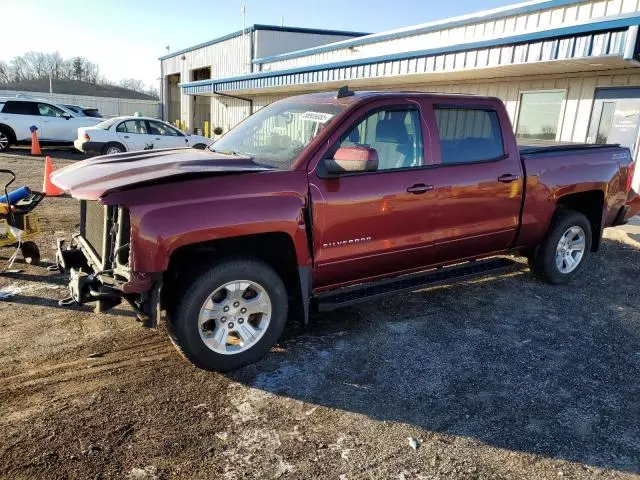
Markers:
359,293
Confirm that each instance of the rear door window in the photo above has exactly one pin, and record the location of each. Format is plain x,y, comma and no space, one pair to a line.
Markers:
133,126
159,128
21,108
468,135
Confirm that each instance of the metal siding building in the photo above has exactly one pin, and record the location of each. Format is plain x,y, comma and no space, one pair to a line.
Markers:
228,56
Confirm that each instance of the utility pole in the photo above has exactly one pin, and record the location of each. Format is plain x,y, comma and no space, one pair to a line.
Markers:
243,12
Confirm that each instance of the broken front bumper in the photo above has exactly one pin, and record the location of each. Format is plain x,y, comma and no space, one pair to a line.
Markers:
106,288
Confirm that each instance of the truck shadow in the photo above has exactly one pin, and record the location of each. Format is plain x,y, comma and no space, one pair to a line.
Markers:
511,362
53,303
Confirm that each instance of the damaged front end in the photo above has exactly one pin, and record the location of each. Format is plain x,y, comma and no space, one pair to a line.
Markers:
98,261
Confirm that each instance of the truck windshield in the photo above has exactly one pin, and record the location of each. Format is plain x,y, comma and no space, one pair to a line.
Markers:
277,134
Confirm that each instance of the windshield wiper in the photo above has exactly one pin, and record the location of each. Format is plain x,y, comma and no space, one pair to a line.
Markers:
231,152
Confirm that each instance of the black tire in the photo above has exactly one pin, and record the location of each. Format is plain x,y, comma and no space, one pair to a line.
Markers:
30,253
6,139
184,329
114,146
199,146
543,264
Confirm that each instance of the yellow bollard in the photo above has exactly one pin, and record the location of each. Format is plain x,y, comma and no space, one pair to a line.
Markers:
177,123
206,128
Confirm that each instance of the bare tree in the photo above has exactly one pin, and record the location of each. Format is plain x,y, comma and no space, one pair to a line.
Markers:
38,65
132,84
54,65
4,72
19,70
34,65
152,91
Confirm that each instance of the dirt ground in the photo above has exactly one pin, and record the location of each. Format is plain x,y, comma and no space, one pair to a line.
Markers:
501,378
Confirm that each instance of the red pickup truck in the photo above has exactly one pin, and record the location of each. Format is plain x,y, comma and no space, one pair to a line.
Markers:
323,200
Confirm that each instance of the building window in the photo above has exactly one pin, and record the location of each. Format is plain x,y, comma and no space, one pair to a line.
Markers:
201,74
606,120
539,116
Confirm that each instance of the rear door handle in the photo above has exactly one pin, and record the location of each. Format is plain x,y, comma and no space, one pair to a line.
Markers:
419,188
508,178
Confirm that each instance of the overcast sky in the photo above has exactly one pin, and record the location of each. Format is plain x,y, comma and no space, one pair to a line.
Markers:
126,37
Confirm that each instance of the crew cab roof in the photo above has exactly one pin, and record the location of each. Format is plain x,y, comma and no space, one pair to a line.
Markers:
358,96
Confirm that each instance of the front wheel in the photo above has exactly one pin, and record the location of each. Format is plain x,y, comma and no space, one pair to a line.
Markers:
564,250
5,140
230,315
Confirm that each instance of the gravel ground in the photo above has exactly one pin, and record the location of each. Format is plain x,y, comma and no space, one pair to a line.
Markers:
499,378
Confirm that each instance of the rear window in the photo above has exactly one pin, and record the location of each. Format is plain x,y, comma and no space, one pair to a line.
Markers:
468,135
21,108
107,123
91,112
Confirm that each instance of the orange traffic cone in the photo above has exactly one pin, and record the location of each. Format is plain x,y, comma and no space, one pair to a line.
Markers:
35,143
48,188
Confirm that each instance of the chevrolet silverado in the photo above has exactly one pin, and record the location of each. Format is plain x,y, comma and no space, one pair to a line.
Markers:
323,200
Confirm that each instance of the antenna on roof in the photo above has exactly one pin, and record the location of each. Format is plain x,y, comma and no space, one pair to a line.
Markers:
344,92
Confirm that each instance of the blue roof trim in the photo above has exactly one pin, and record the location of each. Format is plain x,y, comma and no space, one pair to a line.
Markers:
271,28
516,9
619,22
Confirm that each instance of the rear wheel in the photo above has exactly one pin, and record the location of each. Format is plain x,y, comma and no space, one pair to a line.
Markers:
230,315
564,250
5,139
113,148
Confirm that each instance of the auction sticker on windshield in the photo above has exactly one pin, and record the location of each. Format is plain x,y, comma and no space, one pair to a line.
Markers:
319,117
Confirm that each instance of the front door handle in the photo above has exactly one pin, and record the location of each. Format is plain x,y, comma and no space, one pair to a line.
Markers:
508,178
419,188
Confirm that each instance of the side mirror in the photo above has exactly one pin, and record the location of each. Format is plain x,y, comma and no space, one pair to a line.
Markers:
217,131
353,159
66,116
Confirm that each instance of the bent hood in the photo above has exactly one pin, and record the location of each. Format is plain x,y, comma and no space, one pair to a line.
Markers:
93,178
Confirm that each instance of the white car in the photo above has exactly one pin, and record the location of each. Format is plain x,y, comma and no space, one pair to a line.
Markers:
56,124
130,134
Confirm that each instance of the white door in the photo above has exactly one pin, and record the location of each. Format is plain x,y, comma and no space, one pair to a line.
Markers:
55,127
134,134
166,135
